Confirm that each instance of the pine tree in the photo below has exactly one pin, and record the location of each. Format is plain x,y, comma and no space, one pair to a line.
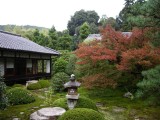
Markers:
149,87
84,31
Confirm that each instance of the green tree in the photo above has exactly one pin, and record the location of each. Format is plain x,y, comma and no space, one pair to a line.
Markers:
104,21
126,12
93,28
84,31
149,87
40,38
60,65
53,38
79,18
64,41
70,68
146,14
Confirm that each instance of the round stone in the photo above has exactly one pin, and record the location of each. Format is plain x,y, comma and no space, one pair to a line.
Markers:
51,112
34,116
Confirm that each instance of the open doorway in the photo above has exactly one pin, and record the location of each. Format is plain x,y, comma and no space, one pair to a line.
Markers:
20,67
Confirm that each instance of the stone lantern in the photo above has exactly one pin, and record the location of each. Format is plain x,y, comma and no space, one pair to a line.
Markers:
72,95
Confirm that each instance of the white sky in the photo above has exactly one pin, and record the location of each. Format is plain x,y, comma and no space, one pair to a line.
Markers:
45,13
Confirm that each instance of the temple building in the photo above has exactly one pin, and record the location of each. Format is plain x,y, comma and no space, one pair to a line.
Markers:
22,59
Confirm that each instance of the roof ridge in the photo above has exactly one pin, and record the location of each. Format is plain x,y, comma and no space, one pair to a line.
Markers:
51,49
1,31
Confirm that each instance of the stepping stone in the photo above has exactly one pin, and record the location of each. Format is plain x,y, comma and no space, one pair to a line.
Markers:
51,112
35,116
47,113
118,109
35,107
31,82
42,97
99,104
16,119
21,113
42,105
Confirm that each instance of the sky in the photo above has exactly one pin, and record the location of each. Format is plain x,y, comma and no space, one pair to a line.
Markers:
46,13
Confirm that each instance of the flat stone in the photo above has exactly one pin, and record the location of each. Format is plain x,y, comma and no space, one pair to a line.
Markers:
133,112
118,109
42,105
21,113
103,108
98,104
35,107
35,116
46,91
51,112
16,119
31,82
42,97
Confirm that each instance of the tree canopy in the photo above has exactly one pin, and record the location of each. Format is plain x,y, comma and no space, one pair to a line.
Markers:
79,18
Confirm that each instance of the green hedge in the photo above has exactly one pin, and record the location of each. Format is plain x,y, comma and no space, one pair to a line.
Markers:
81,114
34,86
44,83
19,95
82,102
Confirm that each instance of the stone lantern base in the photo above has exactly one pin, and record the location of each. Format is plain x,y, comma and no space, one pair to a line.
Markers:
72,100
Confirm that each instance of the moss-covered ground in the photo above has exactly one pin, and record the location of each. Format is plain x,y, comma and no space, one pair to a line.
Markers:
110,101
116,107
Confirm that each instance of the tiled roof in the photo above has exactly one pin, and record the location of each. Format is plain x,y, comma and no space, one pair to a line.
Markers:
99,37
94,36
16,42
127,34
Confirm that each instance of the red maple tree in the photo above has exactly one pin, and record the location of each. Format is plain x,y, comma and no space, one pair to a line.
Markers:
133,53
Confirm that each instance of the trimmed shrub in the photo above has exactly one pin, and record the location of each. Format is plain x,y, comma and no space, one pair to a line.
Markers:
44,83
58,80
19,95
17,85
34,86
81,114
61,102
82,102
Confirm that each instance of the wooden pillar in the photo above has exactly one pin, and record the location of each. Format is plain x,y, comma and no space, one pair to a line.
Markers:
50,65
43,66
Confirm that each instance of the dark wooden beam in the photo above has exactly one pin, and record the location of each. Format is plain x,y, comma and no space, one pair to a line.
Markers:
50,66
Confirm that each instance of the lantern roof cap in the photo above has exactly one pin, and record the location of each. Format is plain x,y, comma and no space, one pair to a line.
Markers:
72,84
